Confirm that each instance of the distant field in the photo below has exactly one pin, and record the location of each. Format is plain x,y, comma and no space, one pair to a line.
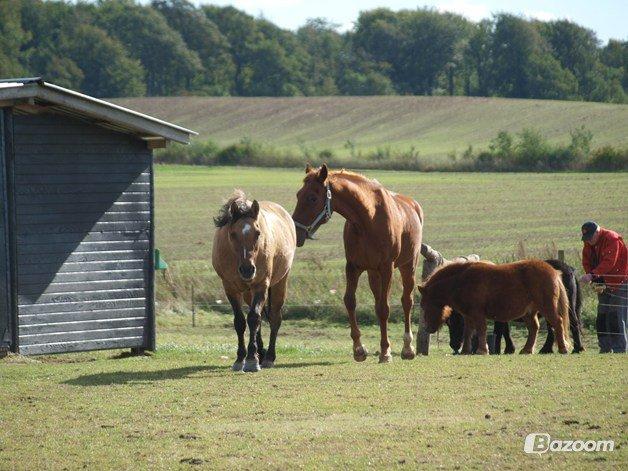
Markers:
489,214
433,125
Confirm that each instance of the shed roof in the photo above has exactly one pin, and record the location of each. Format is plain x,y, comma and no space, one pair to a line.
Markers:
33,94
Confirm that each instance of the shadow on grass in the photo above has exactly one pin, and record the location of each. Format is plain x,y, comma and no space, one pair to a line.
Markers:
130,377
303,364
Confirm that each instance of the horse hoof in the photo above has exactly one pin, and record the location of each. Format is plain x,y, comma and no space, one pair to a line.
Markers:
385,358
251,366
237,366
360,353
578,350
563,351
408,354
525,352
268,364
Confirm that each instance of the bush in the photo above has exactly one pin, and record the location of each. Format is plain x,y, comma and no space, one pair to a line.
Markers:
608,159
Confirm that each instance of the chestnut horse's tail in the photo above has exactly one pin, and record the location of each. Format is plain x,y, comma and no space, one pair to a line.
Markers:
563,307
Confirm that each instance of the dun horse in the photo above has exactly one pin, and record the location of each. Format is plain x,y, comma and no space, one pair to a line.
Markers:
253,250
382,232
481,291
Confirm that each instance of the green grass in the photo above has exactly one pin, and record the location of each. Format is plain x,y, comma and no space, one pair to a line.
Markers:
435,126
498,216
316,409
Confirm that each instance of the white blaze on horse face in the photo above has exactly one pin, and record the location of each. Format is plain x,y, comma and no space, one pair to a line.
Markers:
246,229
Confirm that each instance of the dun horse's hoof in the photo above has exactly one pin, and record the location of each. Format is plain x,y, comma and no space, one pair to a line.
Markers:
251,366
237,366
360,353
268,364
385,358
408,354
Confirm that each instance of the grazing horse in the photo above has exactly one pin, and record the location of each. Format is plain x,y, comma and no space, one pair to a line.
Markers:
574,295
481,291
253,250
382,232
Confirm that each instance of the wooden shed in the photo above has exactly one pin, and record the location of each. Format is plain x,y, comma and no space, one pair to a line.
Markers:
76,220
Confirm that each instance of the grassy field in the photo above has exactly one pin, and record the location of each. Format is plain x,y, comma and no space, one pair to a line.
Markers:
499,216
435,126
183,407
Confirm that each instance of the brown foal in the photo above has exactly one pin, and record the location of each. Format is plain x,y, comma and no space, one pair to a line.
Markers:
382,232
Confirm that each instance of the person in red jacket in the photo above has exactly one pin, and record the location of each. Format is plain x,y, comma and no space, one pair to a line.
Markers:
605,262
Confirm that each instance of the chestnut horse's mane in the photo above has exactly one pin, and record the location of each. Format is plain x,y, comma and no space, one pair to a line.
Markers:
349,175
225,217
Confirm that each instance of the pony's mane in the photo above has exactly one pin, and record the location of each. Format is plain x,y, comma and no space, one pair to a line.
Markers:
445,271
225,217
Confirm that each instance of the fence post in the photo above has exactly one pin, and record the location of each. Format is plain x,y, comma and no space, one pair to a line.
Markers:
193,309
561,255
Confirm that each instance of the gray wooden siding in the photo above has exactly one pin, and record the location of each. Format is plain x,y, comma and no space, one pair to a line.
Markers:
4,248
83,236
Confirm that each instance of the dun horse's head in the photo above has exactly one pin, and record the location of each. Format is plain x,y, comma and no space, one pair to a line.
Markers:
436,312
244,236
313,203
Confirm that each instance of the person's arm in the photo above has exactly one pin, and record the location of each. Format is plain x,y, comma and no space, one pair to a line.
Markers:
586,258
608,255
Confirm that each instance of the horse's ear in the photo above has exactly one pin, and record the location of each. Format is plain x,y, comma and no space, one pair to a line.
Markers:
254,209
308,168
323,172
234,209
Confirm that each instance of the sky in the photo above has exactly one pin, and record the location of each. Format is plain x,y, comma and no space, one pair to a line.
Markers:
608,18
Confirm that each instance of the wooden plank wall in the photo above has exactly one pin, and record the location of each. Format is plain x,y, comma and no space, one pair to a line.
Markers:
4,248
84,265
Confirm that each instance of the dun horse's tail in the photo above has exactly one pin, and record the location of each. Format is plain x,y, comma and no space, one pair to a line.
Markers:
563,307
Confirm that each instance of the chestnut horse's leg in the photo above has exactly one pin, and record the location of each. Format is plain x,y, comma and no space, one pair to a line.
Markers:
532,321
480,326
407,278
239,324
277,298
380,281
254,319
353,275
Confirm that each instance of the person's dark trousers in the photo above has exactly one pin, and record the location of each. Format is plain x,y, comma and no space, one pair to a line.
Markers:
612,313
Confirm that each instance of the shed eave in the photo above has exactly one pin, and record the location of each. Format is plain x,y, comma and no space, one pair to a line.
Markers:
97,109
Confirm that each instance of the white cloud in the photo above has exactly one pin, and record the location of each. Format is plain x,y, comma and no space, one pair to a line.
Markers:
474,11
262,4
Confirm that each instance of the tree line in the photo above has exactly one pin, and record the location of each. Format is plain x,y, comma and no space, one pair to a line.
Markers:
111,48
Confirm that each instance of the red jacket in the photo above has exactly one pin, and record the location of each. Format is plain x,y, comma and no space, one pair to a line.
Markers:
608,259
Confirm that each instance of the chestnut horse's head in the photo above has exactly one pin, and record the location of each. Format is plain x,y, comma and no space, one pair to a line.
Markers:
313,203
243,228
436,312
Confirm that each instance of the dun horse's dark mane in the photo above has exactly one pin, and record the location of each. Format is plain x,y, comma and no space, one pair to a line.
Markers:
224,216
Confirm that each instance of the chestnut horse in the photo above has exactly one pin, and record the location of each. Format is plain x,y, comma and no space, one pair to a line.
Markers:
253,250
382,232
481,291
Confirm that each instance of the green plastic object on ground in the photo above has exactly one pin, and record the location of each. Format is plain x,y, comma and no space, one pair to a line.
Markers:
160,263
